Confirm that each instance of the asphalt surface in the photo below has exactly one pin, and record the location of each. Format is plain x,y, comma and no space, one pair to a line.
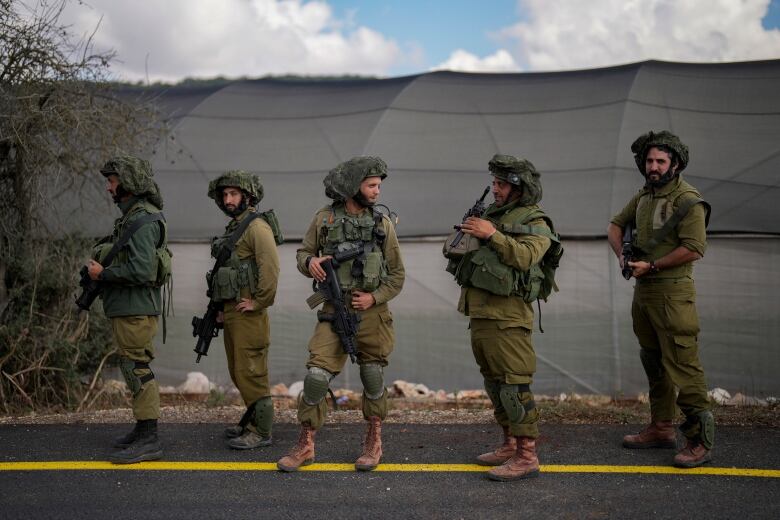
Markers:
467,493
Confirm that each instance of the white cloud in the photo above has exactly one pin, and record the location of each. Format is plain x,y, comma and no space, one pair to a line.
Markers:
463,61
574,34
202,38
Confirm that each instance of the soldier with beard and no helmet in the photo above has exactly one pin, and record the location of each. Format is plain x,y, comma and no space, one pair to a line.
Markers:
368,282
497,290
670,220
131,295
246,287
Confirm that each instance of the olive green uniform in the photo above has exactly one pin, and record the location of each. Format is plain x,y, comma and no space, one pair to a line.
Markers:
132,301
501,325
664,306
247,334
375,337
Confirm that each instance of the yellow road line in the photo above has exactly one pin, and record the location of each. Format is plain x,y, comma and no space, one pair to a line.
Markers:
421,468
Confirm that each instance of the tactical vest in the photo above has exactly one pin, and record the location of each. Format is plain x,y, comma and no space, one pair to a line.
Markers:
483,269
341,231
236,274
163,255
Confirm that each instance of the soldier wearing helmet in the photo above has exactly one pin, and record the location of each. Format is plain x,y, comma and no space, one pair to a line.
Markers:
369,282
669,218
514,237
131,295
246,287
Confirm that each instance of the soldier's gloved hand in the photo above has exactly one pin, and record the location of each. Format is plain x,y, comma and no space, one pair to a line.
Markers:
94,269
315,269
362,301
480,228
246,305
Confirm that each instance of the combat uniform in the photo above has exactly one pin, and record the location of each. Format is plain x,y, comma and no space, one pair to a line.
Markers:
251,272
501,320
664,306
381,273
132,300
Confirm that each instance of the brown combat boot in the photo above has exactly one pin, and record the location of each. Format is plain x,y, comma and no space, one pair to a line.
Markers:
372,446
658,434
302,453
524,464
693,455
501,454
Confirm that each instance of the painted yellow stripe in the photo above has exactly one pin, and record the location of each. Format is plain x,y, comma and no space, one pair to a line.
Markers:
271,466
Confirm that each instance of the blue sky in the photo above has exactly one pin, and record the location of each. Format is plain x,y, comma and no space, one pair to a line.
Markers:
174,39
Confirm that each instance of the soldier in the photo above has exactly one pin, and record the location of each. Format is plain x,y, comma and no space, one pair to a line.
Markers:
246,286
670,218
369,282
499,282
131,295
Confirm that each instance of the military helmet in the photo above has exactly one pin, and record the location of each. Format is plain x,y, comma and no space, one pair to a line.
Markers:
518,172
343,181
664,138
247,182
135,177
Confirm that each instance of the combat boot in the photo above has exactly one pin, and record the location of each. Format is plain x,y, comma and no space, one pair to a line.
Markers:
524,464
501,454
146,447
372,446
693,455
249,440
658,434
231,432
302,453
129,438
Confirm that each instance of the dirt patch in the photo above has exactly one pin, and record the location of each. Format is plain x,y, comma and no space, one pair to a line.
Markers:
593,410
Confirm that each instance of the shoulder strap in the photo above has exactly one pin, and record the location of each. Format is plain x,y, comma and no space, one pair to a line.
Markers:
236,234
676,218
520,226
124,238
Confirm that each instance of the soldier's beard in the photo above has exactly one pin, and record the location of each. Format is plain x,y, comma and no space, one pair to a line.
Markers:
362,200
121,193
663,180
236,210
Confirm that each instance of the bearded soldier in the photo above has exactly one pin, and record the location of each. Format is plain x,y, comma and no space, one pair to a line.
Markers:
246,286
131,294
670,219
367,283
499,280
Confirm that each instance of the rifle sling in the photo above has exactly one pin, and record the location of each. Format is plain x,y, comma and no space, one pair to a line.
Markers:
231,241
674,220
124,238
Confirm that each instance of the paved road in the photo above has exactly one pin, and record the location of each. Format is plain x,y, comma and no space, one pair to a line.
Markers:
333,492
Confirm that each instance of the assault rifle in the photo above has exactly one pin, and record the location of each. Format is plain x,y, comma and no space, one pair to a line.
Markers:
342,320
628,252
207,327
475,211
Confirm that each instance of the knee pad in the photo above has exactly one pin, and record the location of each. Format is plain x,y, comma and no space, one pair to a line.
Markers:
372,377
263,415
315,385
652,363
134,383
706,429
510,400
493,389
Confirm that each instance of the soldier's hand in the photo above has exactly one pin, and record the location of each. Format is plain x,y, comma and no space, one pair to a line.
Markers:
362,301
480,228
639,268
220,317
315,269
246,305
94,269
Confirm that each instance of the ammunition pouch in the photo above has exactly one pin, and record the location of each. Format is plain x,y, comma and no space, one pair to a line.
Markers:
484,270
466,244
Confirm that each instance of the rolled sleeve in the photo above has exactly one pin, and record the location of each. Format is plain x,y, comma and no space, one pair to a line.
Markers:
691,230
